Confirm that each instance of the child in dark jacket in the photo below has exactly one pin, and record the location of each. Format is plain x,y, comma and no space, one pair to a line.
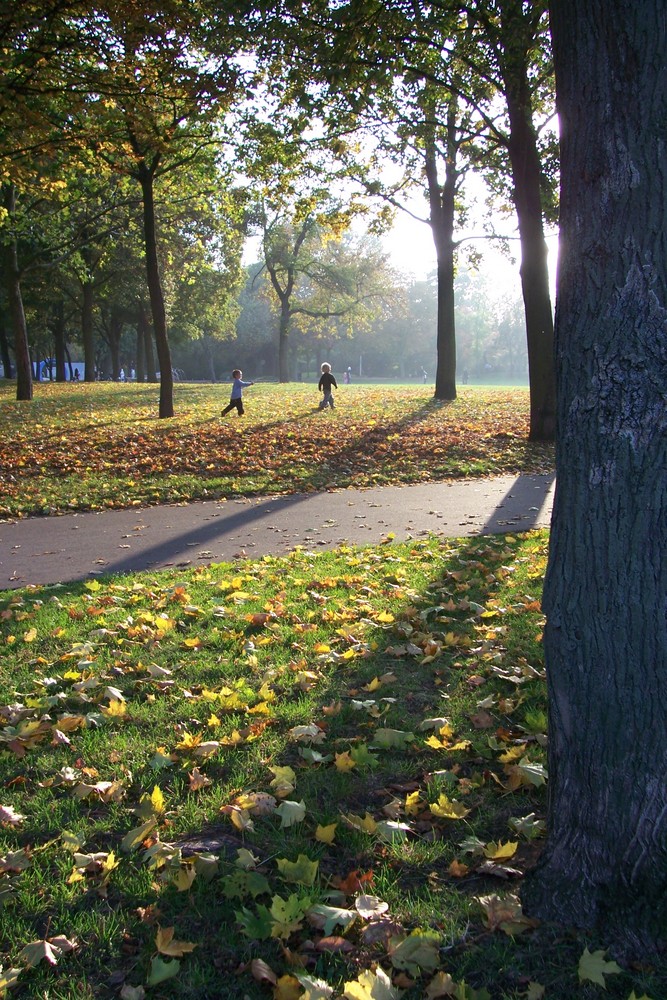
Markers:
325,384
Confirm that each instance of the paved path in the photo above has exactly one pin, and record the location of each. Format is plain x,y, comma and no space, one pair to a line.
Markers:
77,546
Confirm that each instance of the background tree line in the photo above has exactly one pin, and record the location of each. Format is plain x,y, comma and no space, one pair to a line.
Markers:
142,146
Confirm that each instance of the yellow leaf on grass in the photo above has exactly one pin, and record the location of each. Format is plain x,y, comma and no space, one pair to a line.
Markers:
500,851
414,803
326,834
446,808
344,762
166,945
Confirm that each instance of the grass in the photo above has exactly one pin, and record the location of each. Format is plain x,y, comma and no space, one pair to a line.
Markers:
205,773
90,447
252,709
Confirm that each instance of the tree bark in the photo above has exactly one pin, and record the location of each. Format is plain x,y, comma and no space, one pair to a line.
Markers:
526,171
605,863
158,311
59,345
87,331
13,277
4,351
442,206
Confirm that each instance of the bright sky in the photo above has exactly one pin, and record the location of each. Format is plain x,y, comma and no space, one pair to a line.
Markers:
410,244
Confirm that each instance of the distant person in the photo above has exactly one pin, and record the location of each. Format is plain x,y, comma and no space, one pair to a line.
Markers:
327,381
465,376
121,375
76,375
424,375
236,401
349,375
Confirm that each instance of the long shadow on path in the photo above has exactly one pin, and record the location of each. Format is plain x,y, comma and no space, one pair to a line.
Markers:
77,546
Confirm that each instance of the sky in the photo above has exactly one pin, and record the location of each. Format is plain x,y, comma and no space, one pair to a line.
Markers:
410,245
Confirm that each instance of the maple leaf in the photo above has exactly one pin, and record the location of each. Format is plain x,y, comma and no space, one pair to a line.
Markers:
9,816
49,950
594,967
315,989
442,985
418,952
287,915
326,834
446,808
303,870
256,926
198,780
161,971
343,762
291,813
326,918
167,945
505,914
136,836
8,979
284,780
500,851
371,986
370,907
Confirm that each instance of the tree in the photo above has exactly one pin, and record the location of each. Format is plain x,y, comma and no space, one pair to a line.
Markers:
606,589
512,37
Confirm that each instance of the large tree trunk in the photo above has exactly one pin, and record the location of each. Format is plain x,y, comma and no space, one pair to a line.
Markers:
13,277
605,863
156,297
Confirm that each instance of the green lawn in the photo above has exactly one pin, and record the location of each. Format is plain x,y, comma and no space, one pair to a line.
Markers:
87,447
301,777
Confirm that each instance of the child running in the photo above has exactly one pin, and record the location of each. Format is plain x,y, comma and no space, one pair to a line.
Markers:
236,401
326,382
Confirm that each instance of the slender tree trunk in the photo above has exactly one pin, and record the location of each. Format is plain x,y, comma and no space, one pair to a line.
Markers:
605,862
442,208
283,342
148,357
13,277
59,347
4,351
87,331
526,173
156,296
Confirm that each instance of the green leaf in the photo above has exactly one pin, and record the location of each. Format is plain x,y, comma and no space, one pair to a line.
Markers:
302,870
256,926
416,953
241,884
392,739
162,970
594,967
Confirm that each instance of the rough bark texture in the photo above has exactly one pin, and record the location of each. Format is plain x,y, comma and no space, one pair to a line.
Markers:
156,297
605,863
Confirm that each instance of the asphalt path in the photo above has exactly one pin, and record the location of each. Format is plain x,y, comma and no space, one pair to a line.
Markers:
75,547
